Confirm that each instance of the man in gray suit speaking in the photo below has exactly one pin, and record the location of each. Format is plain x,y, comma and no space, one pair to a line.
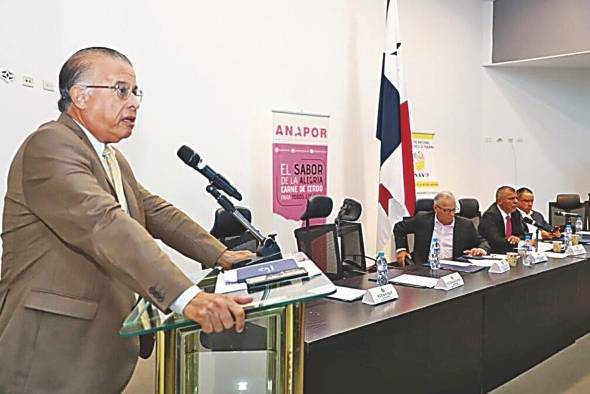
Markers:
78,243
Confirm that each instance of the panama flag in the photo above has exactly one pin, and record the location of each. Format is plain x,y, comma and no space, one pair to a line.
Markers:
397,196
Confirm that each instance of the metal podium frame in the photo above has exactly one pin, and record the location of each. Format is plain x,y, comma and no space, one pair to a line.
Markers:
277,310
285,336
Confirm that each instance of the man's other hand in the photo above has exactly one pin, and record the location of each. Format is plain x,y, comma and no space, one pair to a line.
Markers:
217,312
513,240
401,257
230,257
475,252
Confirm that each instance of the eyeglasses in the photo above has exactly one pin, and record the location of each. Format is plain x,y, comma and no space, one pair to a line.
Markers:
448,210
122,89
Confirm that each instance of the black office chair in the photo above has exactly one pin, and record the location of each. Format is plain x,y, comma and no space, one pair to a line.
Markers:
568,203
350,232
424,205
469,208
320,242
231,233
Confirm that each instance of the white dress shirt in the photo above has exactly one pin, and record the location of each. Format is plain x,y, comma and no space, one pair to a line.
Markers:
184,298
530,228
444,233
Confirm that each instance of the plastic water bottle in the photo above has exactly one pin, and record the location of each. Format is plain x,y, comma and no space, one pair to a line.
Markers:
434,257
579,225
522,249
567,235
382,276
528,260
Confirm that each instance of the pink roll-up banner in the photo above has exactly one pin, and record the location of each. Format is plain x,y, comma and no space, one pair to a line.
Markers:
300,161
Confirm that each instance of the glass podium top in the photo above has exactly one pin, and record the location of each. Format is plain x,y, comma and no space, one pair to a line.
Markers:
145,318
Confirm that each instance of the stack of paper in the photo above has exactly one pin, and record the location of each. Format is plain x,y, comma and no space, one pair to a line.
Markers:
414,281
227,281
347,294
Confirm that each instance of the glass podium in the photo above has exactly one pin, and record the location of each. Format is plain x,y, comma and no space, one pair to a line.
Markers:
267,357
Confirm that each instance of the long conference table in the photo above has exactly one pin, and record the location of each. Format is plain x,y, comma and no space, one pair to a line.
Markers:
467,340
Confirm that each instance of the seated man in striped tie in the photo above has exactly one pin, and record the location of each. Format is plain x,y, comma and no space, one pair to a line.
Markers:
501,224
457,235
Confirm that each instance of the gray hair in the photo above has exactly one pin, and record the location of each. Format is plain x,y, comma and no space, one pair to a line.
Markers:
75,68
441,196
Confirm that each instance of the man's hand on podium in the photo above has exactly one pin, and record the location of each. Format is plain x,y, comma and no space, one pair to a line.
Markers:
217,312
230,257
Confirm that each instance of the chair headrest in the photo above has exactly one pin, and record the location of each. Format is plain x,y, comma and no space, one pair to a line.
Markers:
568,201
468,207
317,207
424,205
226,225
350,211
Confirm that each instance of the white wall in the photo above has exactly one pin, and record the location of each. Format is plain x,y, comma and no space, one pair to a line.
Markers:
453,95
31,45
213,71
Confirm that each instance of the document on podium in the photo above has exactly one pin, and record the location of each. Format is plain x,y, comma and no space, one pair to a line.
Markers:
228,281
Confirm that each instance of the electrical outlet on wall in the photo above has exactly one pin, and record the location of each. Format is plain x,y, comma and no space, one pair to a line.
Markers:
6,75
28,81
48,85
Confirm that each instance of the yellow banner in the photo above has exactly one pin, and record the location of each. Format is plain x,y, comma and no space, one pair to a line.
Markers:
422,136
424,166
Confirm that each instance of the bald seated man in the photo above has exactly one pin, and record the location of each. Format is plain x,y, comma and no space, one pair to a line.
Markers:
457,235
501,224
78,240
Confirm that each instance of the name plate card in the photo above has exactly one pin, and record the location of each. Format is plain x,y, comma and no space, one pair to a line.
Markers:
574,250
499,267
449,282
380,294
540,257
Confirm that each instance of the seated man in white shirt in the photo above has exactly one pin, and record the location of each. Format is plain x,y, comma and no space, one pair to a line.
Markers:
457,235
525,206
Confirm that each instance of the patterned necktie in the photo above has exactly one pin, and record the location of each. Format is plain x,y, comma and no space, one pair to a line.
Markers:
508,226
115,175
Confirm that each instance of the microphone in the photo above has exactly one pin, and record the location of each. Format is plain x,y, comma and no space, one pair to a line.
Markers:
192,159
537,225
567,214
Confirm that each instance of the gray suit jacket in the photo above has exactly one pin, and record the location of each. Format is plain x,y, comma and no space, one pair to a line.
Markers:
72,259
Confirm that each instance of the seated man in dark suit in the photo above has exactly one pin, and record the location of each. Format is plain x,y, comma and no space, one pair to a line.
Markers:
457,235
502,224
525,207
